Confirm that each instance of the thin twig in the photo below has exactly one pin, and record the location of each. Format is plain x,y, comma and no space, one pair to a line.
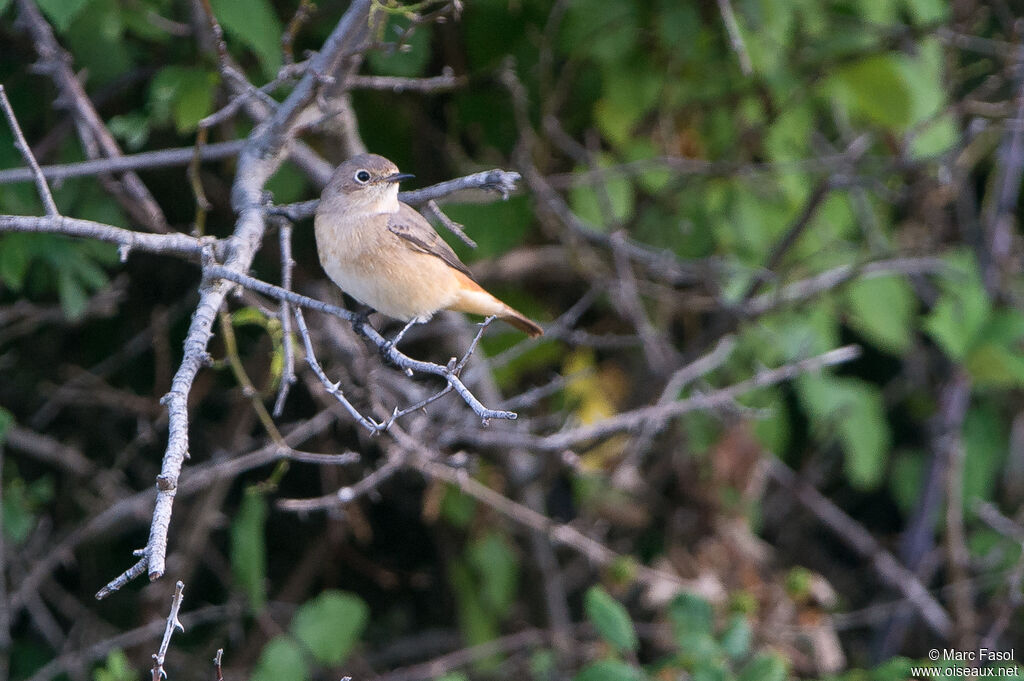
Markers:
363,327
452,226
333,389
344,495
261,157
284,228
181,245
732,26
302,15
446,82
499,181
26,153
636,419
158,673
249,390
164,158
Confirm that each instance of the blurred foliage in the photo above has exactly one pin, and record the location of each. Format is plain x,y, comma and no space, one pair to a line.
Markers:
634,85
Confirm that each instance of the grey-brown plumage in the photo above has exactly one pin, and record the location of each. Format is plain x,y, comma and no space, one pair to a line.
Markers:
384,254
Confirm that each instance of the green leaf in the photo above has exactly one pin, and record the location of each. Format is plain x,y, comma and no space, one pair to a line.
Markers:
496,227
610,619
905,476
183,95
15,257
477,623
601,205
603,31
248,548
254,24
996,359
737,637
62,12
691,614
963,309
765,667
116,668
855,411
926,12
131,128
457,508
6,419
21,503
882,309
96,39
73,298
281,658
411,59
330,624
986,443
497,568
609,670
877,89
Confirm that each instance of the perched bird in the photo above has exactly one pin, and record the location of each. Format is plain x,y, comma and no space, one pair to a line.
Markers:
384,254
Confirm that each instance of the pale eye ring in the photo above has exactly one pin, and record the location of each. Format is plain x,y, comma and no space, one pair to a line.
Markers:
362,176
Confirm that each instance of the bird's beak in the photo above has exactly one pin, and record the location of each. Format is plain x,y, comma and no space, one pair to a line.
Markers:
398,177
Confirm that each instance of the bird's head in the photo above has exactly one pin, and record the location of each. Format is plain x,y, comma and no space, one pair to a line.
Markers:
367,181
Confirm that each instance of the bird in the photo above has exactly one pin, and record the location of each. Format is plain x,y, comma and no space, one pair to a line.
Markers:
384,254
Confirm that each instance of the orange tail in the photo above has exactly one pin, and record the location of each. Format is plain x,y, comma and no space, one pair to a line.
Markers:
475,300
516,319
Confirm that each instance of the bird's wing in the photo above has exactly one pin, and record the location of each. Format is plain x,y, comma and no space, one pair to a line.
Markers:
416,233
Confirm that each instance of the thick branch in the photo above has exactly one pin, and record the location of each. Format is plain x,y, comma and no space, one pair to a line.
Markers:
260,158
165,158
637,419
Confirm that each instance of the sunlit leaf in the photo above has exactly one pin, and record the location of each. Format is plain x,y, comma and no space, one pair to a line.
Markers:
62,12
254,24
609,670
330,624
882,309
411,59
497,568
183,95
764,667
855,411
986,443
876,88
96,38
248,548
281,658
610,619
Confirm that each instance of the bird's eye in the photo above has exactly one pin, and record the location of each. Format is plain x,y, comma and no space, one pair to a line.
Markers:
362,177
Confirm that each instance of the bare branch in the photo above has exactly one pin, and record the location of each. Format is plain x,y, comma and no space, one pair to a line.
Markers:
165,158
501,181
637,418
284,229
446,82
387,348
158,673
176,244
732,26
259,159
452,226
26,153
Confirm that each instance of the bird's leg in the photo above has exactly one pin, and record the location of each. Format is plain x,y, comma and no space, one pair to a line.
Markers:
362,318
